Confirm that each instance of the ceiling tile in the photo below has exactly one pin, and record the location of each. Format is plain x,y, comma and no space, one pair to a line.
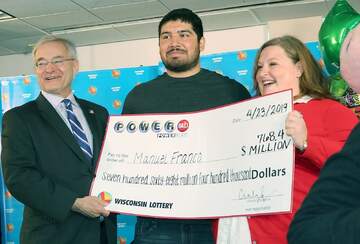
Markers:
259,1
63,20
353,3
93,36
140,30
21,45
105,3
26,8
132,11
14,28
228,20
209,4
290,11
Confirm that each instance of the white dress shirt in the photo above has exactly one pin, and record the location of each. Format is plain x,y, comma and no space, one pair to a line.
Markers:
56,102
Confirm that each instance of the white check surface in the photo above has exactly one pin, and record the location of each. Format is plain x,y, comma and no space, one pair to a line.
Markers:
233,160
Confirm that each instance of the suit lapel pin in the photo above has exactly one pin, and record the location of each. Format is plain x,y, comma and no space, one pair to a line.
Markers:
91,111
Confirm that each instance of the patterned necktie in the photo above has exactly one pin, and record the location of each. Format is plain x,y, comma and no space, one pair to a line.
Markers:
77,129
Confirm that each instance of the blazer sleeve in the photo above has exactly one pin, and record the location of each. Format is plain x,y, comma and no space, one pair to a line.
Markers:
338,121
22,176
331,212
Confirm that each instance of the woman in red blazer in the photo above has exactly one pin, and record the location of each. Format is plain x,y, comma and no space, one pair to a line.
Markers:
319,127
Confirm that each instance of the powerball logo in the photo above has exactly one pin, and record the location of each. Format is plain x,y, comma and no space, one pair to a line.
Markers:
161,129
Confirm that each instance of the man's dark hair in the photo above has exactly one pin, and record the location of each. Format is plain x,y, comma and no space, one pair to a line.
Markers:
184,15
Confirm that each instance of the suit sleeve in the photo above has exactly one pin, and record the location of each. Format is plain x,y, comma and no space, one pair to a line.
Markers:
338,121
331,212
24,179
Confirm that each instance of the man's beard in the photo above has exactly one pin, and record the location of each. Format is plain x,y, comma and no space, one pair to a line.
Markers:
177,65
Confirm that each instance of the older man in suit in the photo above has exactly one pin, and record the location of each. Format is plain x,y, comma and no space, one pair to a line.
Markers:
49,149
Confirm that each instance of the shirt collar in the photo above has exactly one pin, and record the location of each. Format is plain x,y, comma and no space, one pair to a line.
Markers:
303,99
56,100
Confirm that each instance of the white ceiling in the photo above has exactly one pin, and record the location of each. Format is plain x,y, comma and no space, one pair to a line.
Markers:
88,22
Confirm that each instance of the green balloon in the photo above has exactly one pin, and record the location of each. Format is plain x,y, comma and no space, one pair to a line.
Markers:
338,85
341,19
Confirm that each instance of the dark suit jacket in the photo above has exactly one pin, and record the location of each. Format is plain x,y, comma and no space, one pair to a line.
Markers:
330,214
45,169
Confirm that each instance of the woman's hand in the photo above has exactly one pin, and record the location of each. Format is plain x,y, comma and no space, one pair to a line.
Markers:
295,127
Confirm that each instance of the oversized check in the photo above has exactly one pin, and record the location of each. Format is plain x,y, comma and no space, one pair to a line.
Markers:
232,160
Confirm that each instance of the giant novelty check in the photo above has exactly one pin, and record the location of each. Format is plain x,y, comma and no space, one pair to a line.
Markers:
232,160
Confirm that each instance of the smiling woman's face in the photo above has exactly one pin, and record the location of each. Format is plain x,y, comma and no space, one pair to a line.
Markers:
277,72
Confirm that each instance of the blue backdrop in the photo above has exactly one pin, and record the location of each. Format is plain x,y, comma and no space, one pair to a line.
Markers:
109,89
